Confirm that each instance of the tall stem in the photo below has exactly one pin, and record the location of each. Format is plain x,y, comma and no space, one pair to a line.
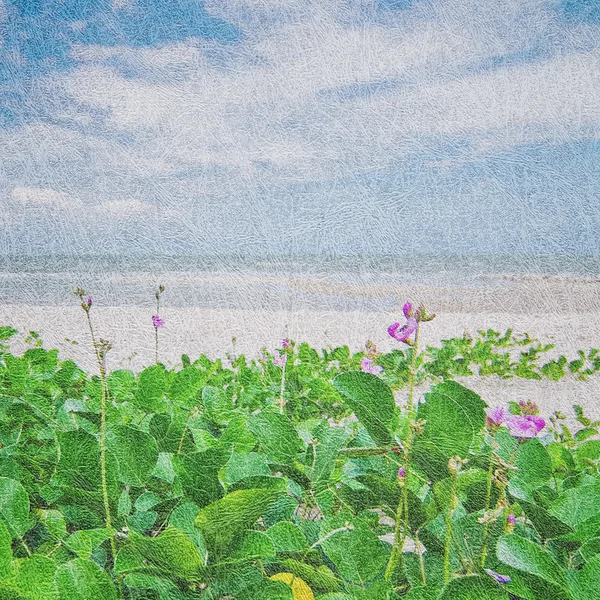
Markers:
156,328
282,388
402,511
488,499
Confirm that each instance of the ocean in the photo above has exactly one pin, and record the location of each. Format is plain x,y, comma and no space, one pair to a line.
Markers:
281,283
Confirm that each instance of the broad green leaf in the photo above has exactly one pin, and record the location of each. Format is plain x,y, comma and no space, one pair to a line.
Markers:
253,545
171,551
84,580
533,462
5,552
276,435
473,405
474,587
79,464
217,404
14,507
585,583
287,537
358,554
238,436
372,401
135,451
220,521
166,589
527,556
545,524
245,465
199,474
35,578
576,505
185,387
328,440
150,392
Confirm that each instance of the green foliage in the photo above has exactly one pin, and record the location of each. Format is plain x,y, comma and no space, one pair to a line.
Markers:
213,487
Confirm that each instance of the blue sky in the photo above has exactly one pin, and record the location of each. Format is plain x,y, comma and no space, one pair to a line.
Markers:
299,126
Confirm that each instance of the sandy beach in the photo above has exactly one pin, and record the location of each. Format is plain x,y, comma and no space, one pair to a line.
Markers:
554,310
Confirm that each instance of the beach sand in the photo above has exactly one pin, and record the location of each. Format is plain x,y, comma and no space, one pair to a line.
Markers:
562,311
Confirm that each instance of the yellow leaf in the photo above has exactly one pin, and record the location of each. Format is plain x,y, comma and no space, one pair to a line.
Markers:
299,586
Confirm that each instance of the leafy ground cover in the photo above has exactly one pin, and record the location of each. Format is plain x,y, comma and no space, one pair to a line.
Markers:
302,474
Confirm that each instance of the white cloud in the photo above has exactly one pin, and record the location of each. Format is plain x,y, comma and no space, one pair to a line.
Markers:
44,197
122,209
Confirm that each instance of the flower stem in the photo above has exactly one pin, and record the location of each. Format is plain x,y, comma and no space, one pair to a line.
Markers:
488,499
282,388
402,511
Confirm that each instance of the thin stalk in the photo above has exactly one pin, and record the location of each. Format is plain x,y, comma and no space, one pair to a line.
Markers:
282,387
488,499
156,328
402,511
448,520
421,562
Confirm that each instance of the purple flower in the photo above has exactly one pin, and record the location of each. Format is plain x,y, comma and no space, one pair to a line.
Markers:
495,417
401,473
511,519
89,301
403,333
279,359
157,322
499,578
527,426
285,343
367,366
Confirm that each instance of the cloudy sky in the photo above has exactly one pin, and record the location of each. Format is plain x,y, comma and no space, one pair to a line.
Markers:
294,126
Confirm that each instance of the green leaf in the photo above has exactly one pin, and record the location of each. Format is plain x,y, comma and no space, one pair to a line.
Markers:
79,464
358,554
287,537
35,578
237,436
14,507
135,451
474,587
150,392
5,552
84,580
576,505
372,401
253,545
533,462
218,406
585,583
166,589
6,332
329,440
220,521
186,386
545,524
526,556
245,465
199,474
276,435
172,552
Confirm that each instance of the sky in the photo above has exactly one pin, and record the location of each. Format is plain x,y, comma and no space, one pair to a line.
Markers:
270,127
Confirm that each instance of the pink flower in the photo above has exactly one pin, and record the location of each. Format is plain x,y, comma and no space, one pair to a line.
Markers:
511,519
279,359
495,417
527,426
403,333
157,322
401,473
285,343
367,366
